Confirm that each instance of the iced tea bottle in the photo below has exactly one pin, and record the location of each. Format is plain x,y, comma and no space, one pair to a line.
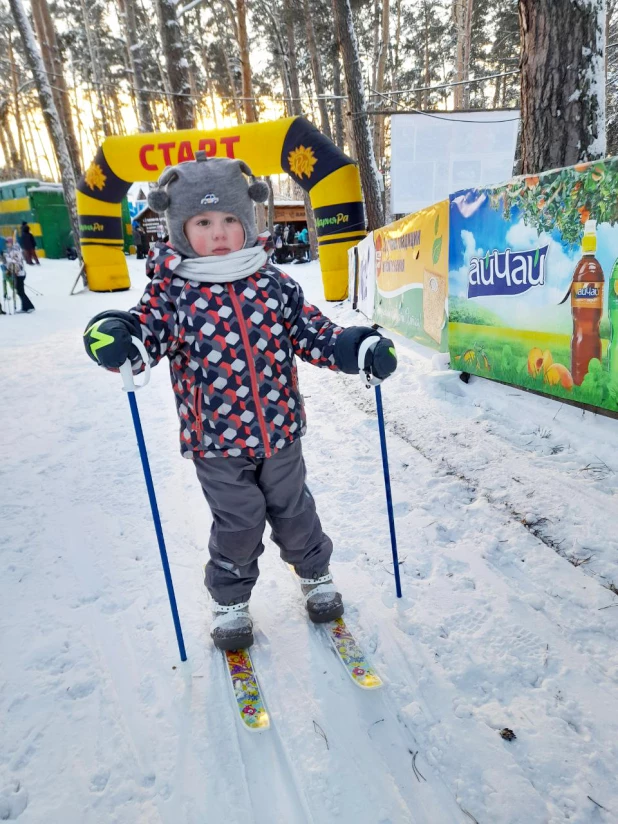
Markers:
612,307
586,306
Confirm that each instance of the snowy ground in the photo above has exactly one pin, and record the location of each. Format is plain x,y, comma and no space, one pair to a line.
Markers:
506,517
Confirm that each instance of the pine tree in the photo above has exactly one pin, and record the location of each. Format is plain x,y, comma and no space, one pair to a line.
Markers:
137,79
50,113
505,53
358,104
52,58
562,83
612,77
176,64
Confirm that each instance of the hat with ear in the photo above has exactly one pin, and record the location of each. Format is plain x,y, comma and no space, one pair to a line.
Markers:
216,184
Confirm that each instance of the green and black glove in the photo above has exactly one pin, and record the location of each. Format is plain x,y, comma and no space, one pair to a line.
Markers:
108,338
380,360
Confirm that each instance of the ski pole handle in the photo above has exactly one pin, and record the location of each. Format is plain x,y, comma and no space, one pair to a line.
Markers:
126,370
365,374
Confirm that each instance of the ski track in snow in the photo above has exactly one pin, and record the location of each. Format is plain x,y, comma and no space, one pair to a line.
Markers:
505,508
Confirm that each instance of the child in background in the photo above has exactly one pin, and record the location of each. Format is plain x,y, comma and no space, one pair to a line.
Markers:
17,272
231,325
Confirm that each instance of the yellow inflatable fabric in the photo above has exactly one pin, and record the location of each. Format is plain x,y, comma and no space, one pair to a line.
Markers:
289,145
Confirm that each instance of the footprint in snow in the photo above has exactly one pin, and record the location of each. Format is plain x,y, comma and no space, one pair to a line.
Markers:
82,690
99,781
13,801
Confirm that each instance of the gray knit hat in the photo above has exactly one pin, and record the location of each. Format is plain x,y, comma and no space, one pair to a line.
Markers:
206,184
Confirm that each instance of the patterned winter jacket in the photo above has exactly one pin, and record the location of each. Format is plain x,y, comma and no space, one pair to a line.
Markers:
231,349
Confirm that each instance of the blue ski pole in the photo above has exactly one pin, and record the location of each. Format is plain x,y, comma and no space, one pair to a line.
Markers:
369,381
130,387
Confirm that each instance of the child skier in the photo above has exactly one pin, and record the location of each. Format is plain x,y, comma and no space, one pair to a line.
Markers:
230,324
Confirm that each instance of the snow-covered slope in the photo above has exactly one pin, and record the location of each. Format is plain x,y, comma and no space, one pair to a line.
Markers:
506,510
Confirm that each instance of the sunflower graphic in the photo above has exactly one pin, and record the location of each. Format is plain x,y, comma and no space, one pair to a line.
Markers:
302,160
95,177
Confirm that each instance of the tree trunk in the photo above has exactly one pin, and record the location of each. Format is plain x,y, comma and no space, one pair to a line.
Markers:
317,70
349,132
338,103
284,69
371,81
243,45
226,46
52,59
80,125
176,64
204,52
5,150
467,53
562,83
287,94
23,150
12,157
35,165
360,122
95,69
380,74
463,25
288,14
297,109
395,75
238,110
127,13
50,113
427,71
117,111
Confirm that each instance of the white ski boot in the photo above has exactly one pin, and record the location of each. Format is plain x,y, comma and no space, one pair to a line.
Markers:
232,627
322,600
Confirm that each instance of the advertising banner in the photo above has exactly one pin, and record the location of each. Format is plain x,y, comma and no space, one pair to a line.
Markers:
353,276
533,283
411,261
366,276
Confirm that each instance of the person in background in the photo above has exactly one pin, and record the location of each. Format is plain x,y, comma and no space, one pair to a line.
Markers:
28,244
278,254
3,270
303,254
266,241
15,268
137,240
145,240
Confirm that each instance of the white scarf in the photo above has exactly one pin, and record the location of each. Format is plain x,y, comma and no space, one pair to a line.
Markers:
223,268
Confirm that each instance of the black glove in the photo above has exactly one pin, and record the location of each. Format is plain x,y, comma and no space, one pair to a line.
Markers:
108,338
381,360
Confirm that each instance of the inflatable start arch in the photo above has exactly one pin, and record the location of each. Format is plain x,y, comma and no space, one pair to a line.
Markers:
290,145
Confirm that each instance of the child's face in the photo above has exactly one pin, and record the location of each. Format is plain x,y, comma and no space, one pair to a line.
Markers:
215,233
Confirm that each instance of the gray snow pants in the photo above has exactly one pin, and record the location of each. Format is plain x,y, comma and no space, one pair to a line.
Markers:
244,493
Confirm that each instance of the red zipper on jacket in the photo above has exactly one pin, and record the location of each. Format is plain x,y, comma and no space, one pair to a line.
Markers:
198,413
251,363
